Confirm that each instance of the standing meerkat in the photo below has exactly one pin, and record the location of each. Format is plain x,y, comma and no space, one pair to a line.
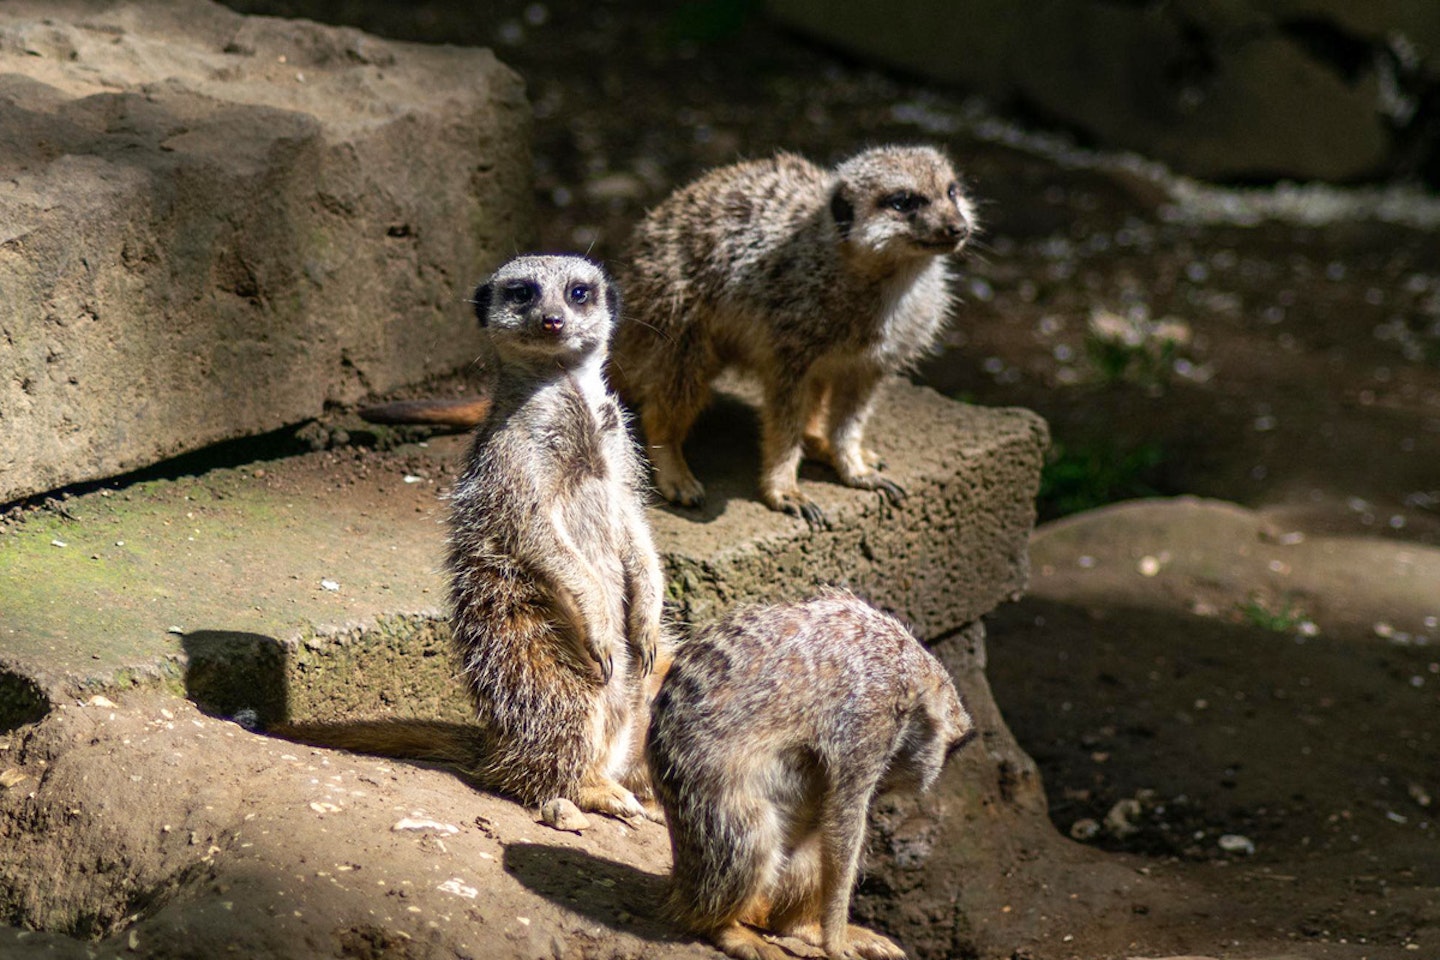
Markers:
555,583
556,587
770,736
819,282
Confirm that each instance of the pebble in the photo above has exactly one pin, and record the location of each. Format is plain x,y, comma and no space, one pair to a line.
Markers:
1120,821
420,823
459,888
1084,829
561,814
1236,843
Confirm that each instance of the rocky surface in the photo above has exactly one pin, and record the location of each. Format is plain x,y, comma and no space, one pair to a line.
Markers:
214,225
307,588
312,588
1307,388
1262,89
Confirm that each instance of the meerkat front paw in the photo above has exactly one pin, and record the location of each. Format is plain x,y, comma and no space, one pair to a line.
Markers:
858,472
601,646
871,480
797,504
644,639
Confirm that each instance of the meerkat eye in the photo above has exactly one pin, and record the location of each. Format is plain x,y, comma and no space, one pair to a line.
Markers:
580,293
953,191
903,201
519,293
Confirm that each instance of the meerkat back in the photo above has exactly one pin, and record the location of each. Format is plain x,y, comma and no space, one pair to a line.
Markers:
771,735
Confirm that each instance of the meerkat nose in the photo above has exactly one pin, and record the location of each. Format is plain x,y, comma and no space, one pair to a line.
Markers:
958,230
552,322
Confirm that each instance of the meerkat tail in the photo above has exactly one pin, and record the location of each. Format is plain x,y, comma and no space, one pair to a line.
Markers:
464,413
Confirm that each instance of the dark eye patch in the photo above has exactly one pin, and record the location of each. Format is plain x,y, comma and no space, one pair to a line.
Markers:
518,292
903,201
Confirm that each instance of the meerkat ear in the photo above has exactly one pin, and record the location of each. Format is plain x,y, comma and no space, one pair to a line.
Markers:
906,699
843,211
612,299
482,302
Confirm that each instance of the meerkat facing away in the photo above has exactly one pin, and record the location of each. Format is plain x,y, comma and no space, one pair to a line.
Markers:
819,282
555,583
770,736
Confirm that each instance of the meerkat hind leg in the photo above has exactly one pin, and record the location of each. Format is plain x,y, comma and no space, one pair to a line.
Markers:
666,423
601,794
780,450
742,943
816,439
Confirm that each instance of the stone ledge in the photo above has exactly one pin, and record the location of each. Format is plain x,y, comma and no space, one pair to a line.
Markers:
290,590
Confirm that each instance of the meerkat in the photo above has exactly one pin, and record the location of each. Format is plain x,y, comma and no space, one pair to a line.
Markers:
555,583
556,588
818,282
770,736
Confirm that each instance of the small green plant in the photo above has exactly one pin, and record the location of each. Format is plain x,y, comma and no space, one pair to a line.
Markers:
1131,348
1279,616
1086,475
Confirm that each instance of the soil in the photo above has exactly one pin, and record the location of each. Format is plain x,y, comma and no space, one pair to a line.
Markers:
1266,769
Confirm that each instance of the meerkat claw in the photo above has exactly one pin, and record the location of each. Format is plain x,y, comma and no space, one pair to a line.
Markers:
647,658
891,491
810,512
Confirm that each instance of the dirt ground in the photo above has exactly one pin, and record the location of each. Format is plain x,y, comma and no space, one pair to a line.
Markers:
1237,739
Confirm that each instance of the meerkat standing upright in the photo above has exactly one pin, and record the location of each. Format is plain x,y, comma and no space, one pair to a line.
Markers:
770,736
819,282
556,585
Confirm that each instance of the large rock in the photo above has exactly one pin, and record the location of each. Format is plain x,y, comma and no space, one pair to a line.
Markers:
311,588
212,226
1304,89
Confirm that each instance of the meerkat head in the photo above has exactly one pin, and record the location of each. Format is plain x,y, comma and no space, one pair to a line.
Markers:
901,202
559,307
936,725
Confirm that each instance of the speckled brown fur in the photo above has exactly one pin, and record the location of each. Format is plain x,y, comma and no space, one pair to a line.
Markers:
556,585
772,733
819,282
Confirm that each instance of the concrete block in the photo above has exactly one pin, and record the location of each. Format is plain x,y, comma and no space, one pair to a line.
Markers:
313,588
213,226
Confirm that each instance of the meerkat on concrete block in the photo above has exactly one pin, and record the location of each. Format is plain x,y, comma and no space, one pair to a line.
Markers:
555,583
770,736
818,282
